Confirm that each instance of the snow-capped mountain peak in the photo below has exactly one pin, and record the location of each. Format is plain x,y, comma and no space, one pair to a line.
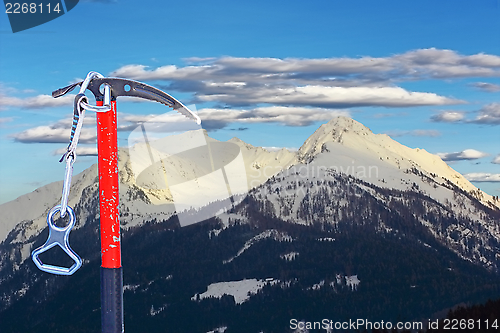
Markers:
333,131
346,144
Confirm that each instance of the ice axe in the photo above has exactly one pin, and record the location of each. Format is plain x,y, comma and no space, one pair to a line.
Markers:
105,91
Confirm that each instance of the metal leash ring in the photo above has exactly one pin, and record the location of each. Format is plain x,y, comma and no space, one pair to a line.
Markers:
58,236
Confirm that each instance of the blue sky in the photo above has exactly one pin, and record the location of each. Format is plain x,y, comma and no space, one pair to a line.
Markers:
427,73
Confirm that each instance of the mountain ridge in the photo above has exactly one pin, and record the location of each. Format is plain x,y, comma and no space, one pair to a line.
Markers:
344,136
381,145
339,210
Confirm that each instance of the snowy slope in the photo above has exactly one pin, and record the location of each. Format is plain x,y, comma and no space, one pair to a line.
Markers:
145,183
35,205
348,146
183,171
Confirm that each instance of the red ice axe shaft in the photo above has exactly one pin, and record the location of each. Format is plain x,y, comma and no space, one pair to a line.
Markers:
111,268
107,146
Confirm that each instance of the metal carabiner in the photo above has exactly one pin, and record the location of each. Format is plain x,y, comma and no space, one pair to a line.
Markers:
107,94
88,78
58,236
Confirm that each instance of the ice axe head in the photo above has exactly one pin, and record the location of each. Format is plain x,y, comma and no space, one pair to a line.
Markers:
124,87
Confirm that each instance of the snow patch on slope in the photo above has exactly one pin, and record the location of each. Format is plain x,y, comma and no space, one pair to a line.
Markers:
352,282
271,233
240,290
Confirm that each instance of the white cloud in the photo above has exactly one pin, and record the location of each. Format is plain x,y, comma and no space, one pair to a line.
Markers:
58,132
435,63
49,134
328,82
482,177
496,160
169,72
488,114
449,116
291,116
329,97
482,60
488,87
212,119
467,154
416,64
36,102
80,151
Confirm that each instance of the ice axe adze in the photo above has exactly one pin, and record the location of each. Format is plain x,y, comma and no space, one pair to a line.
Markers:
105,91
